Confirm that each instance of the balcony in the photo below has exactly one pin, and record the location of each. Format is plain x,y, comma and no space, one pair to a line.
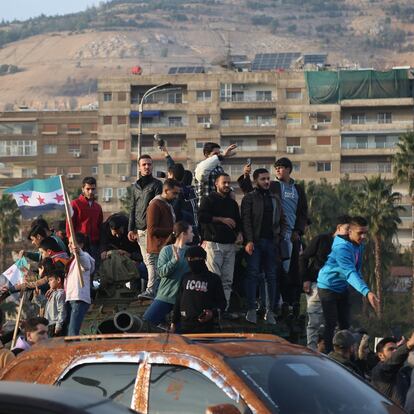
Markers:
372,125
161,124
247,128
359,170
245,99
362,103
252,150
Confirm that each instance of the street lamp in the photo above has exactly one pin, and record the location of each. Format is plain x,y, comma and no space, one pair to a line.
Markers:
162,87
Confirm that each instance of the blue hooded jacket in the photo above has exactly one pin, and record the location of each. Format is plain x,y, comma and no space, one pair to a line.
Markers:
343,267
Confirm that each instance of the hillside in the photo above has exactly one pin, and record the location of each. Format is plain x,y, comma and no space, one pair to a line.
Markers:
55,61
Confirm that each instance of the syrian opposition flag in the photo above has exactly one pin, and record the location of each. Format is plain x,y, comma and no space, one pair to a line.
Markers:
15,273
35,197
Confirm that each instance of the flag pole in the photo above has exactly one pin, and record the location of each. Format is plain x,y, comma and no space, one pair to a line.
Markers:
19,314
72,233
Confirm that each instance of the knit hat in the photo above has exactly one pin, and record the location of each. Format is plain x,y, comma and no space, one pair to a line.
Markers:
196,251
343,339
284,162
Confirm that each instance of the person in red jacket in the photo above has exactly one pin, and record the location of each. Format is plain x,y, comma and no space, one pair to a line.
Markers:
88,217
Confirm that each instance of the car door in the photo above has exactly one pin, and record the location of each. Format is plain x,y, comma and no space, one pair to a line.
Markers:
113,376
186,387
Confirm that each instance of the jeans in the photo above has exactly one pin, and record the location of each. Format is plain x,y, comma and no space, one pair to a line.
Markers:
157,311
76,311
220,260
150,260
336,310
315,317
262,261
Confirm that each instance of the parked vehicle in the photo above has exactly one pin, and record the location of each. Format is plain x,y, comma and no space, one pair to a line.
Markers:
179,374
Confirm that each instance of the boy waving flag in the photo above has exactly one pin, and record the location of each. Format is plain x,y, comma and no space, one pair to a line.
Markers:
35,197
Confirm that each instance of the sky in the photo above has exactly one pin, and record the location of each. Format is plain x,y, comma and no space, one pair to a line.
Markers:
24,9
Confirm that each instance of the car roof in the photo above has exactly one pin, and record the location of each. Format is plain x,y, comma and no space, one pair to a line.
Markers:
55,397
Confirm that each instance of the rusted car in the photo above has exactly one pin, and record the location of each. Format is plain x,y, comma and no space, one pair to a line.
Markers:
223,373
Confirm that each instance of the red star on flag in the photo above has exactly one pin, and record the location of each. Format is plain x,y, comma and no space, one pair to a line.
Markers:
41,199
58,198
25,198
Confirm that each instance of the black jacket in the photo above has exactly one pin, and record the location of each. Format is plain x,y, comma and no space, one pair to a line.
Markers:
141,196
198,292
109,242
252,207
346,363
314,256
386,375
302,209
214,205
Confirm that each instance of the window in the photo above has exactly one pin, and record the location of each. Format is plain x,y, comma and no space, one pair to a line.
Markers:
122,169
384,117
107,169
203,119
20,148
324,117
263,95
122,120
74,149
74,170
95,147
176,121
107,96
293,93
323,140
121,192
265,120
114,380
204,96
121,144
264,142
50,171
18,128
122,96
49,129
324,166
293,118
358,118
106,144
293,142
107,192
107,120
180,390
29,172
174,143
74,128
296,166
94,170
199,144
175,97
50,149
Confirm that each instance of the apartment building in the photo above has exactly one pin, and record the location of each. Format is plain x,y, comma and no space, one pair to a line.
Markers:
39,144
267,114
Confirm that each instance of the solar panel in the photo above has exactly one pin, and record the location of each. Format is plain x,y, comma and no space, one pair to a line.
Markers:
186,69
315,58
238,58
269,61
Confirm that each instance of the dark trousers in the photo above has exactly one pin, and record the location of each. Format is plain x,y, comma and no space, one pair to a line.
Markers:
290,283
336,310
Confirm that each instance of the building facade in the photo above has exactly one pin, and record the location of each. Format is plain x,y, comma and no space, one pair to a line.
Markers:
45,143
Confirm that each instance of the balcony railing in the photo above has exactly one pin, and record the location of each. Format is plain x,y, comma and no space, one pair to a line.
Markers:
172,124
368,145
374,121
252,147
225,123
362,168
247,97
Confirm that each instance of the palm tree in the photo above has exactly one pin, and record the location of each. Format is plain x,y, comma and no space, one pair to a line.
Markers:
403,162
379,204
9,225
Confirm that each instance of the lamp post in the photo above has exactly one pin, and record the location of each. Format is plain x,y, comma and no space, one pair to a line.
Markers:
162,87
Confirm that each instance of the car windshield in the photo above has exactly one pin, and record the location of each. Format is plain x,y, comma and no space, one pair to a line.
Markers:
309,384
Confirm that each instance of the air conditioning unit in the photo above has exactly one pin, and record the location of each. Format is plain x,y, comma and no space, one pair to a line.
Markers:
107,199
207,125
71,176
314,127
123,178
313,115
76,155
290,150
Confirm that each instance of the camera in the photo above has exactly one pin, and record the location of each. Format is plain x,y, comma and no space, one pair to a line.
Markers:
159,140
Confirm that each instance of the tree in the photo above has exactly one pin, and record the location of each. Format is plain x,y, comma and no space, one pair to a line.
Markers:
378,203
9,225
403,162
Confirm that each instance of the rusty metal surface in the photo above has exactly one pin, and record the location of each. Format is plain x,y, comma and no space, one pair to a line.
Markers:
205,353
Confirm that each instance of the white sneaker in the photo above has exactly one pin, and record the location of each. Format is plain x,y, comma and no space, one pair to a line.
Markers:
270,318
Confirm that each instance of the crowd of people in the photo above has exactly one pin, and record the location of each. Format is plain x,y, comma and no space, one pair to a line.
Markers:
183,246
